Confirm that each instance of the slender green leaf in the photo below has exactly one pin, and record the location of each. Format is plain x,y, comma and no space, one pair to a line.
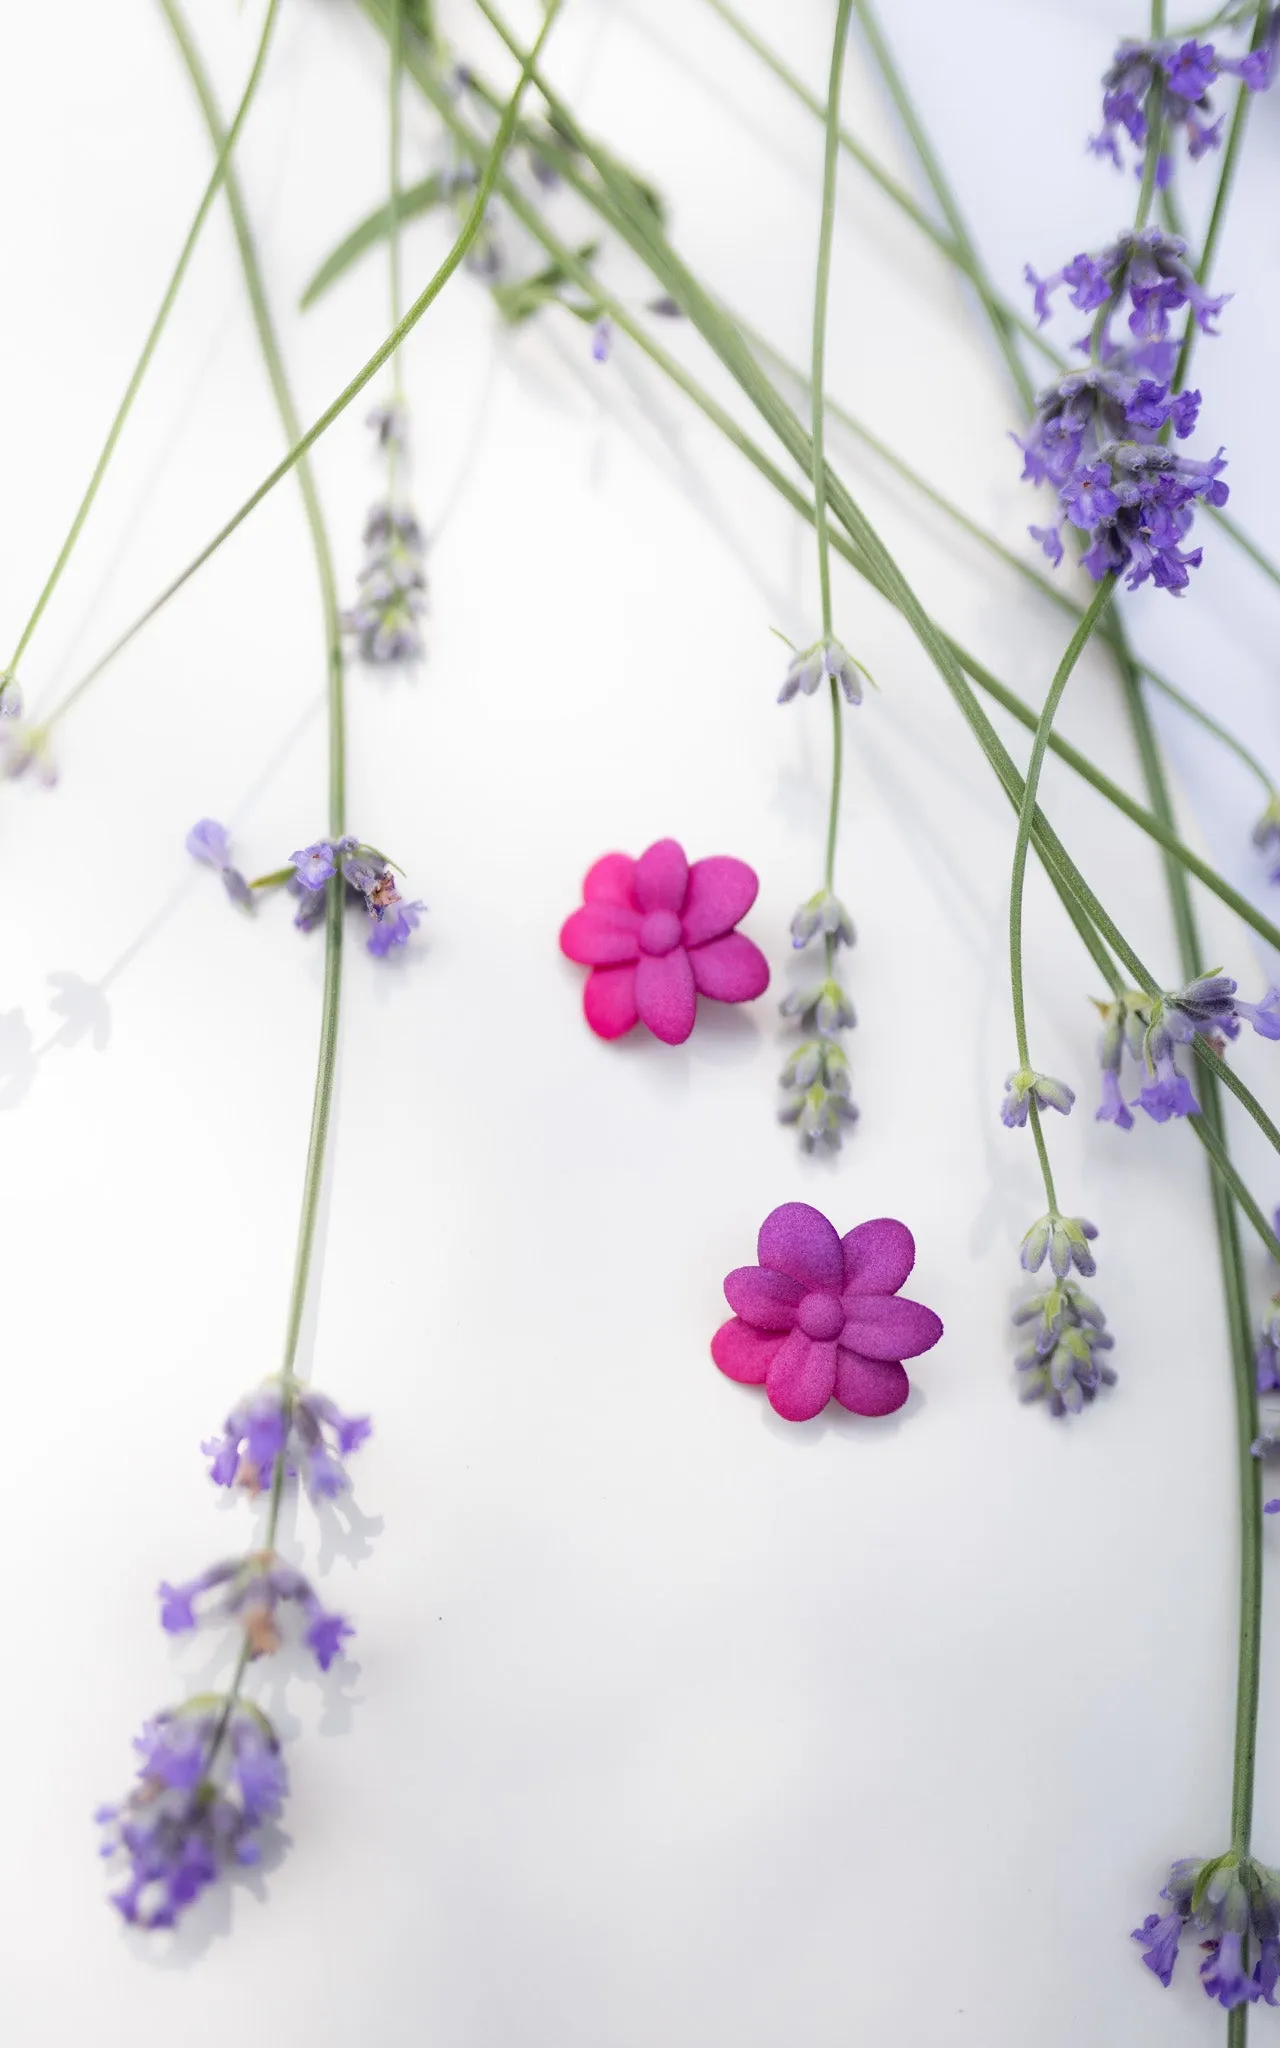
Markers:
415,199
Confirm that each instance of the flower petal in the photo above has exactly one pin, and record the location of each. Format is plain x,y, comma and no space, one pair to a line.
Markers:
665,995
878,1256
609,1001
745,1354
730,969
766,1300
601,935
801,1377
721,891
611,881
870,1386
662,875
799,1241
885,1326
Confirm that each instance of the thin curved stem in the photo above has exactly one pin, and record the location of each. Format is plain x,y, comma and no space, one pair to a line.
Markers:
818,381
143,363
273,361
1075,648
466,236
1218,213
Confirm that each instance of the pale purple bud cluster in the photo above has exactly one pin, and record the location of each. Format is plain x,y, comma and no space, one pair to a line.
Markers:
1024,1087
390,589
825,662
816,1075
1061,1363
1064,1241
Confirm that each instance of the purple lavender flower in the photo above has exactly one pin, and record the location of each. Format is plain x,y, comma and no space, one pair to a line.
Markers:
602,341
1023,1087
391,589
252,1589
1064,1241
825,661
207,841
1185,71
306,1428
1168,1093
370,880
1234,1901
1061,1364
825,914
313,865
1264,1016
211,1777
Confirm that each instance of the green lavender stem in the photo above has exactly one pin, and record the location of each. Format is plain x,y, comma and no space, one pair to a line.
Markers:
140,368
466,236
1026,814
331,998
818,466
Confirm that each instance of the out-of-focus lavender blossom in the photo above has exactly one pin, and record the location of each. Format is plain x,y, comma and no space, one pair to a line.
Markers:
1023,1087
1100,435
826,661
1266,837
390,589
307,1429
389,425
12,703
250,1590
602,340
1064,1241
208,842
24,748
1061,1364
211,1777
1185,72
1232,1903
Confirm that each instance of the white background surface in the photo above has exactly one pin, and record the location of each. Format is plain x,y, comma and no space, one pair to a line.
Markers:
667,1722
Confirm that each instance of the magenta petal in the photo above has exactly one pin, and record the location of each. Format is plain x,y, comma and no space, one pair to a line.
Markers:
870,1386
721,891
662,875
885,1326
744,1354
665,995
609,1000
611,880
801,1377
766,1300
731,969
878,1256
601,935
799,1241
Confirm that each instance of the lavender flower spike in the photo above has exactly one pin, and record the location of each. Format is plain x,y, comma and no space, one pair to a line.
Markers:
1186,72
391,589
825,661
1061,1364
211,1778
1023,1087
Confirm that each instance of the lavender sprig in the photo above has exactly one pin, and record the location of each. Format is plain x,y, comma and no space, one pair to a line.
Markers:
367,876
1234,1901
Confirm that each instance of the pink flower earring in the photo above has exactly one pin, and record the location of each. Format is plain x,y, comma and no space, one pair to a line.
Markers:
657,934
820,1316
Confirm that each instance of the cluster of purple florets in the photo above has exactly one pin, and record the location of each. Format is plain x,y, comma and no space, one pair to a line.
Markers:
391,589
368,876
212,1775
1149,1029
1100,436
1233,1904
211,1778
1184,72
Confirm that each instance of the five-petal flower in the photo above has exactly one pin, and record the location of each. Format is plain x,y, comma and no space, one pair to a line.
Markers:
657,933
821,1315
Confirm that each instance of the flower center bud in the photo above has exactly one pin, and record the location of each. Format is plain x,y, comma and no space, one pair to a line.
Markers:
660,932
820,1316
